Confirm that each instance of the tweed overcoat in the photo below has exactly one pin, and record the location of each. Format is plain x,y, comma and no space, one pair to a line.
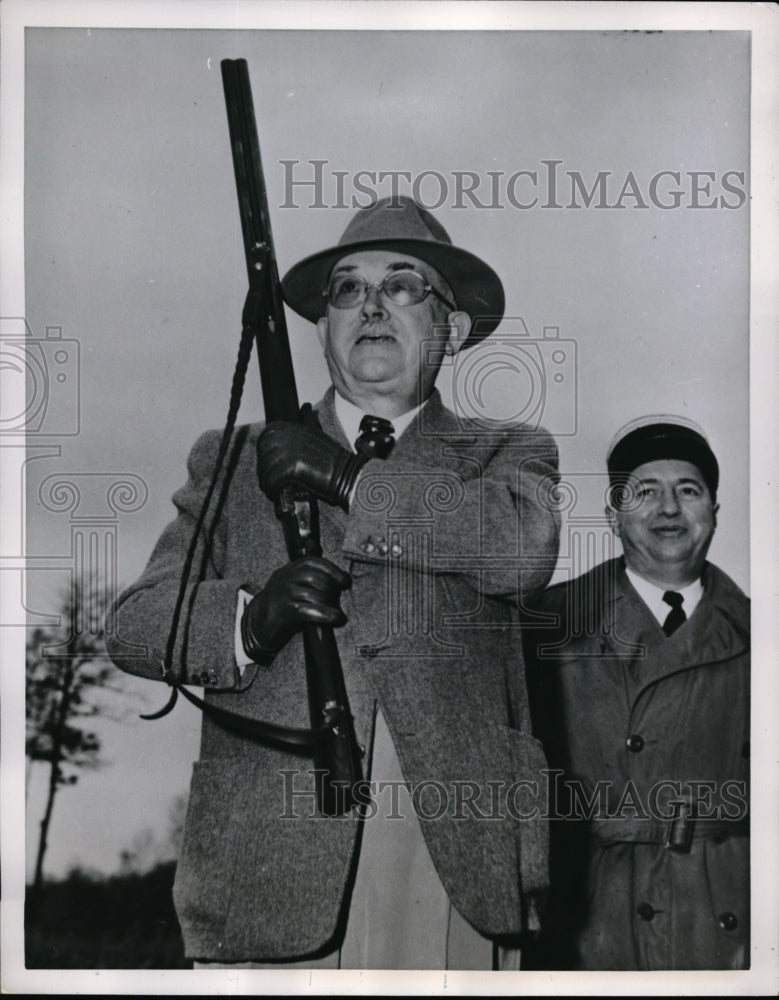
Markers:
633,720
442,540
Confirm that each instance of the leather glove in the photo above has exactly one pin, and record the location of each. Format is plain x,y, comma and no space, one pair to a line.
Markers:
304,455
305,591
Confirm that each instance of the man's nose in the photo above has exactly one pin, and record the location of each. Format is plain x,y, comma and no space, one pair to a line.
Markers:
373,305
669,502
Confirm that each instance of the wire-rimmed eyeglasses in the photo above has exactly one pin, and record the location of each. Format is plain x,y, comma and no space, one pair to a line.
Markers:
402,288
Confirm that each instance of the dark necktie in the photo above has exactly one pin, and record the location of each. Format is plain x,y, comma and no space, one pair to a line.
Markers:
376,437
676,615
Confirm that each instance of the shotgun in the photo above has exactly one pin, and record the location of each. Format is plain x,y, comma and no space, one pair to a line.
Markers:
336,752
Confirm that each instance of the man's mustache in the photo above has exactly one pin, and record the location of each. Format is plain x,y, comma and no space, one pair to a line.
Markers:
376,329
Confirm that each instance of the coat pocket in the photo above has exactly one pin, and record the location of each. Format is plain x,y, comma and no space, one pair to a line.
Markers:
204,874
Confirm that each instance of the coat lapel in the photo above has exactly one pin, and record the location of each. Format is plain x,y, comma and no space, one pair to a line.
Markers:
423,440
420,443
716,631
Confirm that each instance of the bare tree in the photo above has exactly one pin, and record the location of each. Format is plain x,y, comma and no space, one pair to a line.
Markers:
67,672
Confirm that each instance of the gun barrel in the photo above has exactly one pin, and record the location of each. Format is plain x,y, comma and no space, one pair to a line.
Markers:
265,302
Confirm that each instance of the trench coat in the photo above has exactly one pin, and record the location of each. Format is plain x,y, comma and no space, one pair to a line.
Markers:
442,541
638,727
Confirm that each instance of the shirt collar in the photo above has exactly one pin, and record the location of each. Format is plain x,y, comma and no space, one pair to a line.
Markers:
652,595
349,416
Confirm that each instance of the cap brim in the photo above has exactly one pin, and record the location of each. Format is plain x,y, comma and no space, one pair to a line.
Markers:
477,288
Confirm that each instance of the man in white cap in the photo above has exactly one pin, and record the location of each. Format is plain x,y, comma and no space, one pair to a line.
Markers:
432,534
640,691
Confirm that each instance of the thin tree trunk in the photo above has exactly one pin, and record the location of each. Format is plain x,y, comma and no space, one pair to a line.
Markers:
54,774
43,839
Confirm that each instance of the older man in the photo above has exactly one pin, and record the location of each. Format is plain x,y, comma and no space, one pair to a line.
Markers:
640,690
431,534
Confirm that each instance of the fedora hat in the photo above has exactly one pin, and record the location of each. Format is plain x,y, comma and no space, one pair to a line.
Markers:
403,226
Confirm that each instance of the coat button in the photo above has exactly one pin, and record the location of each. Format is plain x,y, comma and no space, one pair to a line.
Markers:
383,548
635,743
368,547
396,550
370,650
728,921
646,911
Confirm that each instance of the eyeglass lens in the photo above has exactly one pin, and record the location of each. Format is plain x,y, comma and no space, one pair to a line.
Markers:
403,288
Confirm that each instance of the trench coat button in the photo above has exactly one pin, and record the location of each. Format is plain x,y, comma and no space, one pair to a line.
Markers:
368,547
635,743
383,549
728,921
396,550
646,911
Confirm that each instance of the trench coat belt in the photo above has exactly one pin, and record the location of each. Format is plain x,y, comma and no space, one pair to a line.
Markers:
676,834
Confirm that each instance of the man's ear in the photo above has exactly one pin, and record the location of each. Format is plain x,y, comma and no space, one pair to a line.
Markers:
459,327
321,330
611,517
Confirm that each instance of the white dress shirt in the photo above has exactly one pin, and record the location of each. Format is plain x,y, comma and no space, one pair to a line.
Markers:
652,595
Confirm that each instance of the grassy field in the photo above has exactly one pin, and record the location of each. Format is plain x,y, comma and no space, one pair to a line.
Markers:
125,921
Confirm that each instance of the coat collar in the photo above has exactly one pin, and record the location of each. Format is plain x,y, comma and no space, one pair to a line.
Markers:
717,630
419,442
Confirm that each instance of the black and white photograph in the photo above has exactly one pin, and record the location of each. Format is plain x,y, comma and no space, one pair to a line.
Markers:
388,439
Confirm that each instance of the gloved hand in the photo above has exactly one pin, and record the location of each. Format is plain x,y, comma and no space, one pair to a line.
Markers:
306,590
305,455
